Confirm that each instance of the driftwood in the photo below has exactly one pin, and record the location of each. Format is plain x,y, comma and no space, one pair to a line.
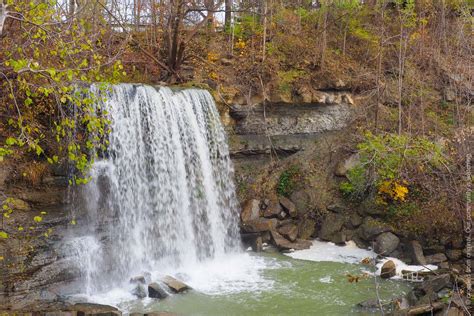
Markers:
421,309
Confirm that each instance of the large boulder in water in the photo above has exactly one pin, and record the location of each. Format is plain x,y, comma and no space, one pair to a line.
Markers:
250,210
175,285
386,243
388,270
155,290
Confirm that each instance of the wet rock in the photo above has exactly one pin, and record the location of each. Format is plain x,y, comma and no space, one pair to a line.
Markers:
92,309
283,244
250,211
436,258
454,254
344,166
139,291
259,225
388,270
258,244
289,231
331,224
273,209
174,284
386,243
306,228
416,252
339,238
288,206
371,228
302,201
156,290
138,279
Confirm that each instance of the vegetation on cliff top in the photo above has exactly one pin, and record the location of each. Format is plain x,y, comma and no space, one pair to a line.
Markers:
406,60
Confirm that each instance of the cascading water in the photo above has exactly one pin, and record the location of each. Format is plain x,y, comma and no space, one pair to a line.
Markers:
164,196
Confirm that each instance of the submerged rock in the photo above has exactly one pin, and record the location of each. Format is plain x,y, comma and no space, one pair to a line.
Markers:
156,290
175,285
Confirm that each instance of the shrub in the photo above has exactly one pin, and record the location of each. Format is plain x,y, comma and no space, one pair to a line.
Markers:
288,181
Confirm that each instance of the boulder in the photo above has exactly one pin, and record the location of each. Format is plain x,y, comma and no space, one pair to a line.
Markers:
306,228
331,224
289,231
386,243
288,206
388,270
283,244
371,228
436,283
355,220
339,238
454,254
259,225
416,252
302,201
139,291
138,279
19,205
344,166
156,290
174,284
273,209
250,211
436,258
336,208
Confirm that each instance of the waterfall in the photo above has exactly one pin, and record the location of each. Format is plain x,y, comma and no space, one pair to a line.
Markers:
164,195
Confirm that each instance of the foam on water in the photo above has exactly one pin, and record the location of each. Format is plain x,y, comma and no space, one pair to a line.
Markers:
402,266
327,251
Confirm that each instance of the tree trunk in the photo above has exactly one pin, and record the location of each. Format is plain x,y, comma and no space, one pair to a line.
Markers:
228,14
3,16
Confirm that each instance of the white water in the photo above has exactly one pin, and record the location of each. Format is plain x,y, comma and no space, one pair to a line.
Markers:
163,201
327,251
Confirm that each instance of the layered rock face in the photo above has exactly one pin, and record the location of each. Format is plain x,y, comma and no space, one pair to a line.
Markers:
287,127
34,266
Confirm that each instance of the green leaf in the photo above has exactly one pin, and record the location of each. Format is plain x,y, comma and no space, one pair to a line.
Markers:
3,235
10,141
37,219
